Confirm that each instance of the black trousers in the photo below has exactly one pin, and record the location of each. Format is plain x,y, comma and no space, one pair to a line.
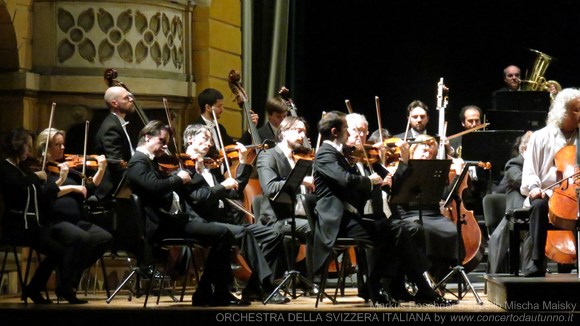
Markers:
539,227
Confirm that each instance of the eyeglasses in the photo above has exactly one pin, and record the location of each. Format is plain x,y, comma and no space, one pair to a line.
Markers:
513,75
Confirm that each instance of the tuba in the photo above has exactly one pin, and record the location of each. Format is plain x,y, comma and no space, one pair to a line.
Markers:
535,81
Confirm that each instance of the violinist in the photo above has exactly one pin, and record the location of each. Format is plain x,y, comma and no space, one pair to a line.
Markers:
213,198
212,99
69,205
437,235
276,110
539,170
274,166
341,195
112,139
163,203
27,198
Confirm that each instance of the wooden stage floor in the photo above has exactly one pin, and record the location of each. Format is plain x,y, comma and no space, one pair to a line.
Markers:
349,308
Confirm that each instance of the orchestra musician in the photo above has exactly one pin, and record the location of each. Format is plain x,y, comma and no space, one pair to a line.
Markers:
479,178
341,194
539,170
435,233
26,221
161,195
276,109
208,196
418,117
69,205
274,166
112,139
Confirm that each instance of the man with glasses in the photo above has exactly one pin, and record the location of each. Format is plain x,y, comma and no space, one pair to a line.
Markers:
512,81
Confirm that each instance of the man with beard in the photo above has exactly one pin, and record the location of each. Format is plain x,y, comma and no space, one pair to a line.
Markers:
418,117
112,139
274,166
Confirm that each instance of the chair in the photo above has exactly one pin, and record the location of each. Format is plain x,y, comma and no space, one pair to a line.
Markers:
341,246
13,247
494,207
520,221
165,245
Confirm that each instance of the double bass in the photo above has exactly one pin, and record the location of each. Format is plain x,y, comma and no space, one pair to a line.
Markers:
253,187
453,209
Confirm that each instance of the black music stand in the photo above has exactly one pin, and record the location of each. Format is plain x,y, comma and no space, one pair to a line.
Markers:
425,184
287,195
459,270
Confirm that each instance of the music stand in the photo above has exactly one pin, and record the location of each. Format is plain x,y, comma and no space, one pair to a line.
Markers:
459,270
287,195
424,185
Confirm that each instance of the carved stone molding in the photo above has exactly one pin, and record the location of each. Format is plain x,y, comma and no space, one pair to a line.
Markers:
101,34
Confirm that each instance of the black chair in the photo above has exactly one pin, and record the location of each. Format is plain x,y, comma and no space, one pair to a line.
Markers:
189,244
494,206
520,221
341,247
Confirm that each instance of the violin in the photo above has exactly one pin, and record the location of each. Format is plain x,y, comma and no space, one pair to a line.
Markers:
233,154
305,154
77,161
54,168
369,155
170,163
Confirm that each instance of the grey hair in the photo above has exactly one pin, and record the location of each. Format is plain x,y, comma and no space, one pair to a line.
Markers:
558,107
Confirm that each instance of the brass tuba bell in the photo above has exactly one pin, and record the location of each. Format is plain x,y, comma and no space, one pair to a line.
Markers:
535,81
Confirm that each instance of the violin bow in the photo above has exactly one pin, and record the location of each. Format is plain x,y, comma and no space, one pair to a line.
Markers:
173,131
48,136
348,106
221,142
381,138
83,182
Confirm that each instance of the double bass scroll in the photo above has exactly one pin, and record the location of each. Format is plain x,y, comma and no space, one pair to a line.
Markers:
110,79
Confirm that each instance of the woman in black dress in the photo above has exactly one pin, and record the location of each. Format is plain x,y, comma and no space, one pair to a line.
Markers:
26,219
69,205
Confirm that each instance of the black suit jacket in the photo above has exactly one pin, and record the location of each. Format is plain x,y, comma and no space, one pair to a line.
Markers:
228,140
204,200
273,169
154,188
340,190
513,176
112,142
265,132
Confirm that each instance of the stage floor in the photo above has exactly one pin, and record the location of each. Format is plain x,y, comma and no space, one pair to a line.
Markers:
349,308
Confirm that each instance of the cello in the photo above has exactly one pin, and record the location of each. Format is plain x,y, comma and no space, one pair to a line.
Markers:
563,208
471,236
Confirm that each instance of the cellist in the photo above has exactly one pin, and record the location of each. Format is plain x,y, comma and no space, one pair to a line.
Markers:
539,170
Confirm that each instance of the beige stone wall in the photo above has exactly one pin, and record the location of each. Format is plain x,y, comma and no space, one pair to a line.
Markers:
44,75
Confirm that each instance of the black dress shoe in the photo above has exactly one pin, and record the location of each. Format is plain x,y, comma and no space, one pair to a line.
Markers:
384,299
434,299
277,298
227,299
535,271
201,298
35,296
402,296
69,296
